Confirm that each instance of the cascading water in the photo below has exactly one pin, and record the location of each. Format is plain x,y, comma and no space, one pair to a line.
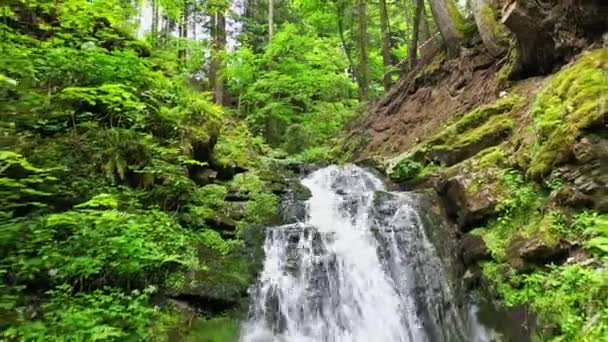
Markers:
359,268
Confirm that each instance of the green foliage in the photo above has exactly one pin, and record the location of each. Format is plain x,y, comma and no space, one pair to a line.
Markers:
406,169
22,185
299,80
317,154
574,99
95,246
99,188
262,209
570,300
238,147
516,211
102,315
595,227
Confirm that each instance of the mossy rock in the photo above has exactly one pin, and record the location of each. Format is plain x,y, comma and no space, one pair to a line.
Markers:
572,101
479,129
225,279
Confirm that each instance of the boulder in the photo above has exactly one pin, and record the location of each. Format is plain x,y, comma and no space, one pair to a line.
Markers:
590,148
524,254
473,249
585,183
468,204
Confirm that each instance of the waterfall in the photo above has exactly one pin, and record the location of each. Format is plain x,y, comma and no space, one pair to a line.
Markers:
359,268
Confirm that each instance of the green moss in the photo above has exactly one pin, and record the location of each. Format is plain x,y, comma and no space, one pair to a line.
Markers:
492,157
223,329
428,170
478,124
461,25
489,17
574,99
507,71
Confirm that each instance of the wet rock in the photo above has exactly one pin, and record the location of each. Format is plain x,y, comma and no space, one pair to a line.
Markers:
473,249
469,205
235,210
471,278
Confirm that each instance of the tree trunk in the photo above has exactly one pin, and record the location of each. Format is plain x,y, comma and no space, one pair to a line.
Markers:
216,72
424,29
413,48
347,50
493,33
450,23
183,33
386,45
551,32
154,28
363,53
535,46
270,20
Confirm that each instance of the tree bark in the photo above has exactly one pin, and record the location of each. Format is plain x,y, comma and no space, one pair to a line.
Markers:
450,23
536,48
154,28
363,53
347,51
492,32
413,47
551,32
183,32
386,45
424,29
270,20
216,72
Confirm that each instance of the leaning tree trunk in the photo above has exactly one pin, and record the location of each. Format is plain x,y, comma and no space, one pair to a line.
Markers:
493,33
451,24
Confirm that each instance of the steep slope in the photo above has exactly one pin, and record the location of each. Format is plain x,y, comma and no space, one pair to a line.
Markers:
522,168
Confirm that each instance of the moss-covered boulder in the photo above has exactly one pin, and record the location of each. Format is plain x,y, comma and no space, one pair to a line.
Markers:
571,102
482,128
